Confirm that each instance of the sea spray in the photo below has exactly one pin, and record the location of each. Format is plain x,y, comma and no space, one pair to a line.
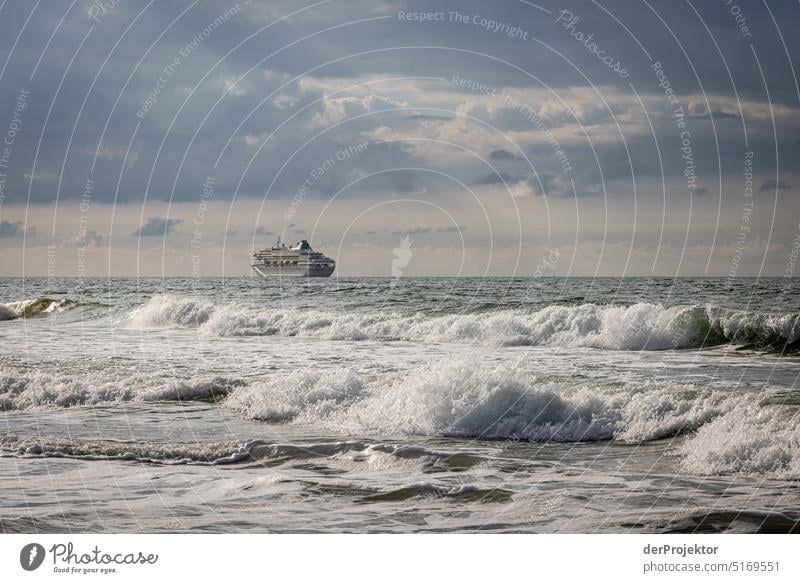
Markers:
640,326
459,398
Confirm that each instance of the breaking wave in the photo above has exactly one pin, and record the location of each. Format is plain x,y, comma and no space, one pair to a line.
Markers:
720,432
34,307
20,389
640,326
751,440
461,399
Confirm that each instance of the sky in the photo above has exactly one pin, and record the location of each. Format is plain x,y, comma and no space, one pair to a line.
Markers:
615,138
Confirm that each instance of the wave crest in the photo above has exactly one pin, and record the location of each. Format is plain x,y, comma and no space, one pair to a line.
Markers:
748,440
21,389
461,399
640,326
34,307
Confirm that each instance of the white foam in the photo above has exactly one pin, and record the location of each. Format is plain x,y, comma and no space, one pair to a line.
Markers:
34,389
461,398
306,395
167,310
750,439
637,327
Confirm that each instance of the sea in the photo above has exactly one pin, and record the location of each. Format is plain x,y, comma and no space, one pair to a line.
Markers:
536,405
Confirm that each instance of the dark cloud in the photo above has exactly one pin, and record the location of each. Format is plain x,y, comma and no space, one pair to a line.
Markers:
698,110
9,229
181,134
772,184
414,231
262,231
156,226
717,115
497,178
501,155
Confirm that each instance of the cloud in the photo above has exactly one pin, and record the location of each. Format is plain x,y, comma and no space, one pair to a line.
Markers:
414,231
502,155
89,239
156,226
10,229
427,117
497,178
262,231
552,186
772,184
698,110
420,230
336,109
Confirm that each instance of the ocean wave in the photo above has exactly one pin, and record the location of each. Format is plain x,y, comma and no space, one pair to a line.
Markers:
720,432
462,399
750,440
640,326
34,307
463,493
35,389
164,453
228,452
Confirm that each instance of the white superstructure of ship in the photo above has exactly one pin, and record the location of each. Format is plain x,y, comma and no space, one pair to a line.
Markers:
299,260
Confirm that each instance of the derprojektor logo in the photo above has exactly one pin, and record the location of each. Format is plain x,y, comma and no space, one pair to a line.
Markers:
31,556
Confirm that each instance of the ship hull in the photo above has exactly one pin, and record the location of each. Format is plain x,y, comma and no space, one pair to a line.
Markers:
289,271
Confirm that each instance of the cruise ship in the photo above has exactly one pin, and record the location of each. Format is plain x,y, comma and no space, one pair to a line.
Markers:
299,260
